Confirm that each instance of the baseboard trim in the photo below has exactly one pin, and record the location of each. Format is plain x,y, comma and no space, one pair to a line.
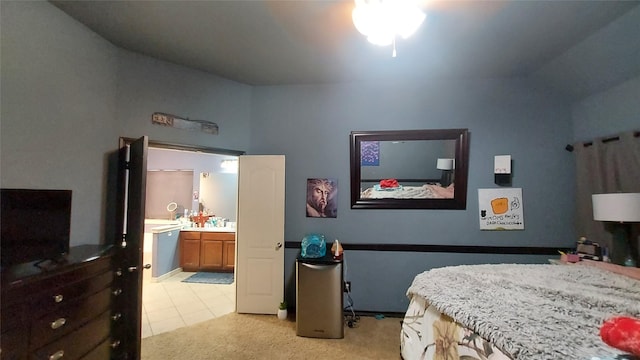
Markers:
166,276
377,313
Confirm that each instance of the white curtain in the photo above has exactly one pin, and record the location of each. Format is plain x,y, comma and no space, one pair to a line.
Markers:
606,165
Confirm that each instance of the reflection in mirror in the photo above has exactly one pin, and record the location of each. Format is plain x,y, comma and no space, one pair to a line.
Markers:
414,165
414,169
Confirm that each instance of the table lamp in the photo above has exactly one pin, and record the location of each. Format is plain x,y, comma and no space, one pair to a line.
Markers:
621,209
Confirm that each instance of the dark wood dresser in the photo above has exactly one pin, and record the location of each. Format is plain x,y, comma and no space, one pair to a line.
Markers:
62,310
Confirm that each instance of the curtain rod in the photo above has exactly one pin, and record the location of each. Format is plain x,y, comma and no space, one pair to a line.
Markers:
570,147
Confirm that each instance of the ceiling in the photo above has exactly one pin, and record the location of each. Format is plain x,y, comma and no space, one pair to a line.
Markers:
310,42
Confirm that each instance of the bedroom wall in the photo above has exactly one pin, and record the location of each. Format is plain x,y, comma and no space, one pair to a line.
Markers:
69,94
311,125
147,85
58,106
606,113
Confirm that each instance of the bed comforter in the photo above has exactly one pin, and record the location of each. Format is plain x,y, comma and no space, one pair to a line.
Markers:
426,191
520,311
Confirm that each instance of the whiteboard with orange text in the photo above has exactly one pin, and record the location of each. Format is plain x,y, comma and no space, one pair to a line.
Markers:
500,209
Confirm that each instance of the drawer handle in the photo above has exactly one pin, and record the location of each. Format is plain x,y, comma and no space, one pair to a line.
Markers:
58,324
117,292
115,344
58,298
57,355
116,316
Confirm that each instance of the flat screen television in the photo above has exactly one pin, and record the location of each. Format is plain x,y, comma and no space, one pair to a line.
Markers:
35,225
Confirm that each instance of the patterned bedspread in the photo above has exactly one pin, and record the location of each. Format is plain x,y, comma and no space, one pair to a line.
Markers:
429,334
526,311
426,191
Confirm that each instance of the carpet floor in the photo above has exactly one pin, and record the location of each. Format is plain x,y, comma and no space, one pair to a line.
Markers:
210,278
244,336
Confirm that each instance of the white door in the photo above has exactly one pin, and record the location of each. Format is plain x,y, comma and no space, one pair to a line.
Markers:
260,234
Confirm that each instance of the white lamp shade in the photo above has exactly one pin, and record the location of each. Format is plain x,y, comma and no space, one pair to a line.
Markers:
444,164
619,207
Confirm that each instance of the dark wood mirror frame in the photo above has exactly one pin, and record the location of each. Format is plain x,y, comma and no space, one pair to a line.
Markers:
458,202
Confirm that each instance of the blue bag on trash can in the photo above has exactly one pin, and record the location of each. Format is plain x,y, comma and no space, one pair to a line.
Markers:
313,246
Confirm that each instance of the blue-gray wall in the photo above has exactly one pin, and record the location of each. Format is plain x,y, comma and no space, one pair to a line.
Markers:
67,95
147,85
608,112
57,109
311,126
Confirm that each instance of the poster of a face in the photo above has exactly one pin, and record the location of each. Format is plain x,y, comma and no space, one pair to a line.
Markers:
322,198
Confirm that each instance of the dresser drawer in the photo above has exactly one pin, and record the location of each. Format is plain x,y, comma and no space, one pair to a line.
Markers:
62,310
14,332
49,301
14,344
101,352
78,343
218,236
65,319
13,317
191,235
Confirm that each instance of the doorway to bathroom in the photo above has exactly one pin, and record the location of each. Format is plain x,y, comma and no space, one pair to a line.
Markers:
184,182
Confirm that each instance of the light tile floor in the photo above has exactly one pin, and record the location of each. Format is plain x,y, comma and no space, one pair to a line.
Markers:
172,304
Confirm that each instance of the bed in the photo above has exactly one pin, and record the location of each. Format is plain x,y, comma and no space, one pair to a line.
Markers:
426,191
516,311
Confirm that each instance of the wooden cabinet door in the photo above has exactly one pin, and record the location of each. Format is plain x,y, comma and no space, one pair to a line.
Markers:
210,254
229,255
190,250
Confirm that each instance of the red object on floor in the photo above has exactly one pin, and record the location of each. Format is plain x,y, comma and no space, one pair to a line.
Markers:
622,333
389,183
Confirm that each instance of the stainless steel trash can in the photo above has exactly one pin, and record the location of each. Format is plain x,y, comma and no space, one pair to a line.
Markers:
319,298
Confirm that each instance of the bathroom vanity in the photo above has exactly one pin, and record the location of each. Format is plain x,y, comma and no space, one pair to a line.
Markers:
207,249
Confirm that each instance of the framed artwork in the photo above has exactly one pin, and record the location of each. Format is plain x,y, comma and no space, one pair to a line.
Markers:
322,198
370,153
501,209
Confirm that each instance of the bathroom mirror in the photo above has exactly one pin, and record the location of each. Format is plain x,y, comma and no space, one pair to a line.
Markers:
409,169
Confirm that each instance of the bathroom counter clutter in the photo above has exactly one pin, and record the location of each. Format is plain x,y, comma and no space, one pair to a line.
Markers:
210,229
162,225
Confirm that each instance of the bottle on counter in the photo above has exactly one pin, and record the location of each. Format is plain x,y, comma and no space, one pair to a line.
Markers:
336,249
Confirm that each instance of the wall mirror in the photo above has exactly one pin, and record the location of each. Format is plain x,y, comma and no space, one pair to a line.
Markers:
409,169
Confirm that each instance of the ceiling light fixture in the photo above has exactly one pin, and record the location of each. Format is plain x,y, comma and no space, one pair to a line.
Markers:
381,21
